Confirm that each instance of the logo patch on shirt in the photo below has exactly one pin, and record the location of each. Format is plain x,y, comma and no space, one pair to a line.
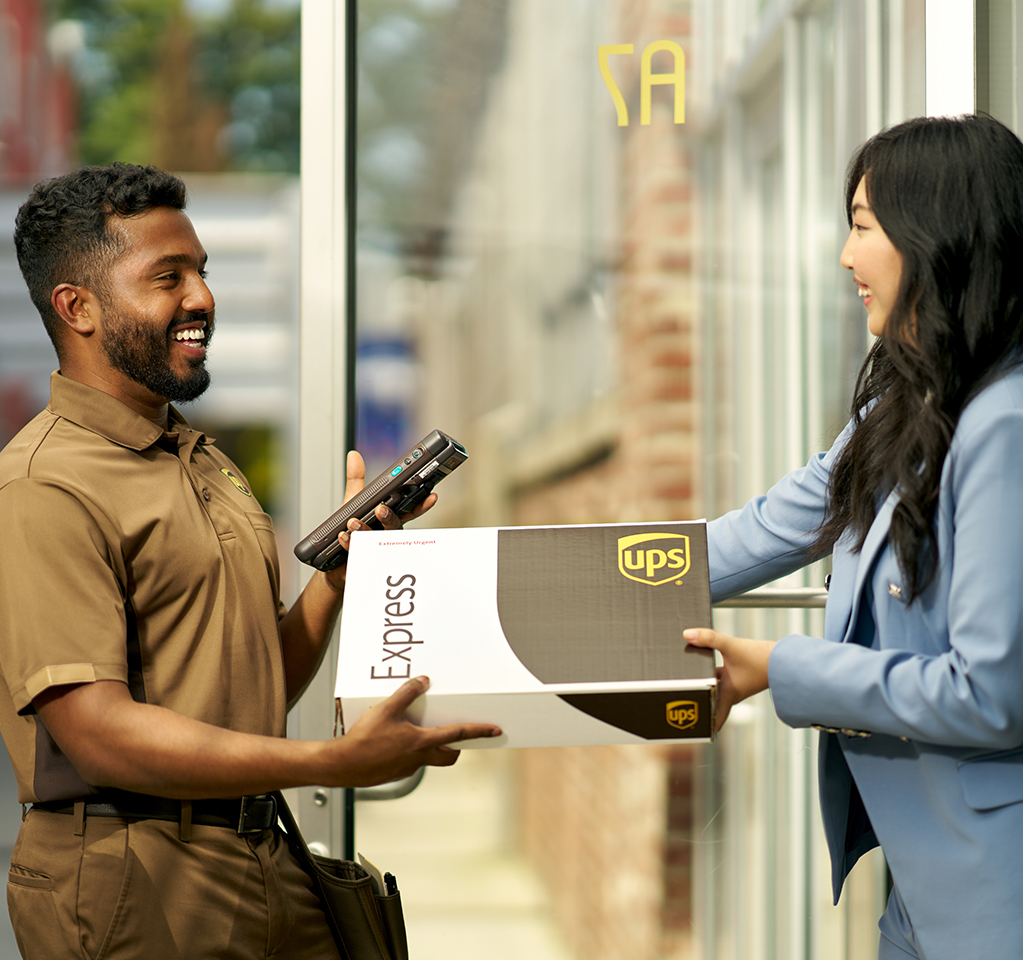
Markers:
234,479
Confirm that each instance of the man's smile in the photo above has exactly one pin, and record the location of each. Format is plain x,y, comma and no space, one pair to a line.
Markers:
192,336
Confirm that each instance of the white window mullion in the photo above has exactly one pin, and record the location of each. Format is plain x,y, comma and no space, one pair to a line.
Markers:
794,122
895,33
873,75
950,41
323,350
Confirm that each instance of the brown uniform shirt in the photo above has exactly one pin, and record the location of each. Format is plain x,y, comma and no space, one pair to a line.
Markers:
129,553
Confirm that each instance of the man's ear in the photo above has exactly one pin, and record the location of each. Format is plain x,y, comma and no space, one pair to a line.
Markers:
76,306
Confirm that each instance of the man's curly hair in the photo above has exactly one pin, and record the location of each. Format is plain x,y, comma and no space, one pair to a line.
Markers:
61,232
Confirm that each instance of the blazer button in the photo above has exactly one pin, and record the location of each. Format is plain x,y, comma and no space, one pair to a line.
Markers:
205,494
894,590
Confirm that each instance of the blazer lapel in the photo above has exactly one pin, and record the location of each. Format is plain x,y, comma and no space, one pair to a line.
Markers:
877,537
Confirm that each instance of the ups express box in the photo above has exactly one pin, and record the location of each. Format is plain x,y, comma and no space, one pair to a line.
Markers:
562,636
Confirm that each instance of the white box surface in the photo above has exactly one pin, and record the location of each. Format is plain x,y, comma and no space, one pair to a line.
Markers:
560,635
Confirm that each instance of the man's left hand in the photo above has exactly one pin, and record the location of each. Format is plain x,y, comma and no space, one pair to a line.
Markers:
355,469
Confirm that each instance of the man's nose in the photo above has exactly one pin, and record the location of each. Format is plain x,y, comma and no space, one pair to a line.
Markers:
199,298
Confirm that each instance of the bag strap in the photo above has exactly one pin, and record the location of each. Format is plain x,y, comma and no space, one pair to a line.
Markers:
304,856
290,824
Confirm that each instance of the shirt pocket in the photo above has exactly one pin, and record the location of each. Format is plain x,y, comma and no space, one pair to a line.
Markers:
992,780
263,527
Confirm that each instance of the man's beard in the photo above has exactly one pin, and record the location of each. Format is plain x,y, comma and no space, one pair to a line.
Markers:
141,352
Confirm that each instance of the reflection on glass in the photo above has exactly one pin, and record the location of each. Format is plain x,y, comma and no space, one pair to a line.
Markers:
485,244
627,316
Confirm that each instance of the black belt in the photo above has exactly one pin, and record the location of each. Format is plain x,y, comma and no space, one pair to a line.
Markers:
251,814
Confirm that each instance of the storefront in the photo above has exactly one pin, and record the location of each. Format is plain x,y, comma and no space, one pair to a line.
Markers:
598,242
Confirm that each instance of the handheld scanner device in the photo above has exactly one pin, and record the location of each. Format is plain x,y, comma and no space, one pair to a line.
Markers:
407,482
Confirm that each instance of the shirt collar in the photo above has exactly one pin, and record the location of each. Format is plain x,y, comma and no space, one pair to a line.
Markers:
107,417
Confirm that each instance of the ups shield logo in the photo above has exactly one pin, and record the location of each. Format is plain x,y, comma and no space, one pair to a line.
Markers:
653,558
682,714
234,479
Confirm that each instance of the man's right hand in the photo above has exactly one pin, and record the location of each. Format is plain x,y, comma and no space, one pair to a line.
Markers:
384,745
114,741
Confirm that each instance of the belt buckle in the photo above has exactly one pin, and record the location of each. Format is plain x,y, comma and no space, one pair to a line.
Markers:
257,813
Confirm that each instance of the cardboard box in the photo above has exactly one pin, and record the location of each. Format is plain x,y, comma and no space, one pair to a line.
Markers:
560,635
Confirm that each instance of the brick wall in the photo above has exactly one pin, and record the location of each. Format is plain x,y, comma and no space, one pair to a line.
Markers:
593,823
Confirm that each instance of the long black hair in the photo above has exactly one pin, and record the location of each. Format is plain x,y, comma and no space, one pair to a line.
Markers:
948,192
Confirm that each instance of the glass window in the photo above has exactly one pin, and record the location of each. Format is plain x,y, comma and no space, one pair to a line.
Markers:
598,242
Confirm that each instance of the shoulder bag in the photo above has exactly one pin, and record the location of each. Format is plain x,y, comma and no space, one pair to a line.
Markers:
366,921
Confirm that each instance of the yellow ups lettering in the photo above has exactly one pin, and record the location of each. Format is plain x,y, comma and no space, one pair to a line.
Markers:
634,560
655,559
677,559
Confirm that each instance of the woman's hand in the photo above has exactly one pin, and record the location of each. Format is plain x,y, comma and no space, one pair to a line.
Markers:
744,672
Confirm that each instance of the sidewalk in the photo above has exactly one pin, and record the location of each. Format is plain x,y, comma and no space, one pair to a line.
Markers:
465,890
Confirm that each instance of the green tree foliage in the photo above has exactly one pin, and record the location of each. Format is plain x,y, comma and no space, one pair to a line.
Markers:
198,87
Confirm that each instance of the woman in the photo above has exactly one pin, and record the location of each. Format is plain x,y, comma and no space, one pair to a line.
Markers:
918,682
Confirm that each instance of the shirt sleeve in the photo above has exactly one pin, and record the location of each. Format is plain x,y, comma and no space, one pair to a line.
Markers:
62,619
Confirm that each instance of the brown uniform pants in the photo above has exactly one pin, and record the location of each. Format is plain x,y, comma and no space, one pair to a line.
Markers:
133,889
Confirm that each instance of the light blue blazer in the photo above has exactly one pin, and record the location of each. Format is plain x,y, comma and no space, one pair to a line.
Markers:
940,690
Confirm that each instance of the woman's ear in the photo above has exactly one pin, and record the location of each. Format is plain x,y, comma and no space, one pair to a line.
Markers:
76,306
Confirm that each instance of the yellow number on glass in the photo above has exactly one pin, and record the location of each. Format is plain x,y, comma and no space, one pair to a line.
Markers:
603,52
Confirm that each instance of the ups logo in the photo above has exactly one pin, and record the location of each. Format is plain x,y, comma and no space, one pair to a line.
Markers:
234,479
682,714
653,558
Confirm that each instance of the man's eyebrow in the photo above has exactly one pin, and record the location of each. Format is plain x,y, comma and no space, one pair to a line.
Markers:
177,259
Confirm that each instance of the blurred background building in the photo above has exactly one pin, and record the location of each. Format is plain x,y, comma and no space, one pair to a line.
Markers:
596,241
